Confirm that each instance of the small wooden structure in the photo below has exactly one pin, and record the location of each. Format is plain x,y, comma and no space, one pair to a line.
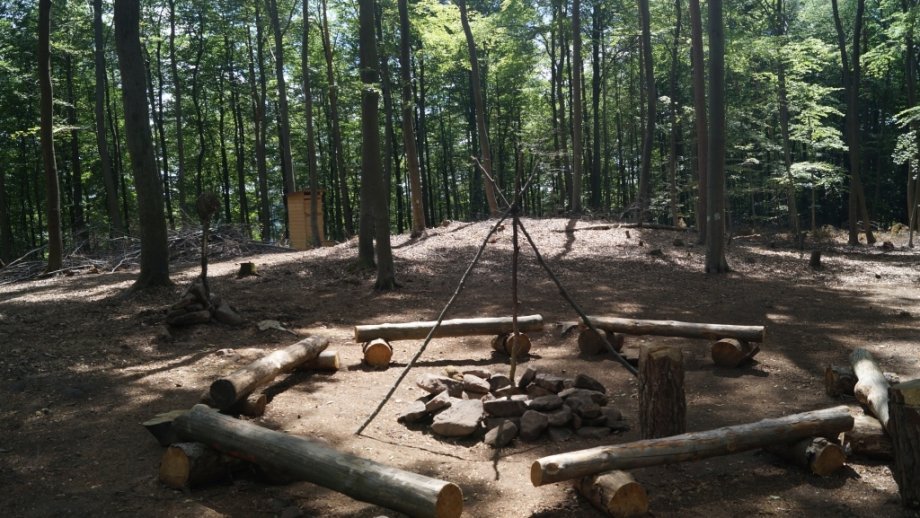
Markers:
299,221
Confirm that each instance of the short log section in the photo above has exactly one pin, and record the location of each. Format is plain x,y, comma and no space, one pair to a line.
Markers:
616,493
904,427
867,439
505,344
456,327
817,455
226,391
591,344
327,360
662,402
871,386
362,479
377,353
731,352
189,464
632,326
690,446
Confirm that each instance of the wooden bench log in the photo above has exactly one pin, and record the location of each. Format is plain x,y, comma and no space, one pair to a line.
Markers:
377,353
631,326
226,391
871,386
456,327
815,454
504,343
867,439
731,352
362,479
904,428
690,446
616,493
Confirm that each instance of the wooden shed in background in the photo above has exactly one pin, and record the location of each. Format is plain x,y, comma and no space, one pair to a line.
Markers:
298,204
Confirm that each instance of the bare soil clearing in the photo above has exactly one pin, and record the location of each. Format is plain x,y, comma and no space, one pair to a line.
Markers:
82,365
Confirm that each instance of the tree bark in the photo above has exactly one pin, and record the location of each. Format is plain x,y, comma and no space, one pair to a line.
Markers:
76,171
715,212
690,446
108,174
597,78
651,99
362,479
52,191
702,119
904,407
311,138
672,116
456,327
160,133
662,402
154,247
780,29
258,116
184,206
577,123
682,329
408,122
199,117
284,132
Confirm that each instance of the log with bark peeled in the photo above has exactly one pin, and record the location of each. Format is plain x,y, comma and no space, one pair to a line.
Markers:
871,386
816,454
839,380
616,492
867,439
362,479
731,352
377,353
188,464
226,391
457,327
904,427
632,326
690,446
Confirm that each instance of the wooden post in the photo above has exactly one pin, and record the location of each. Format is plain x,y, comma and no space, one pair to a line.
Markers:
616,493
867,439
662,403
377,353
690,446
226,391
456,327
631,326
904,427
871,386
362,479
816,454
731,352
590,343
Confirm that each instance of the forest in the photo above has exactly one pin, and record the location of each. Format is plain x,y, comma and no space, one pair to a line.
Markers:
595,108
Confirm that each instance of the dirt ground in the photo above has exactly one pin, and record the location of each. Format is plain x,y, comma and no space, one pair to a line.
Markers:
82,364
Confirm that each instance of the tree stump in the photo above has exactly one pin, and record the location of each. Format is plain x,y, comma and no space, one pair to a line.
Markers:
815,260
817,455
247,270
616,493
731,352
662,402
904,428
590,343
378,353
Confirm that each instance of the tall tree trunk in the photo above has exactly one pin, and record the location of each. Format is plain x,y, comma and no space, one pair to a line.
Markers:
422,144
386,88
780,29
221,130
702,120
116,227
715,242
651,98
485,152
284,132
672,115
376,194
6,227
851,79
154,249
184,207
913,173
112,114
597,33
52,192
196,102
258,108
76,170
311,139
161,135
336,136
577,123
408,125
239,143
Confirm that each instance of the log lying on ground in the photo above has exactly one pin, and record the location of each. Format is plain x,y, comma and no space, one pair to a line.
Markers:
362,479
904,427
731,352
457,327
189,464
840,380
616,492
631,326
326,361
226,391
161,426
504,343
871,386
590,343
377,353
816,454
252,406
690,446
867,439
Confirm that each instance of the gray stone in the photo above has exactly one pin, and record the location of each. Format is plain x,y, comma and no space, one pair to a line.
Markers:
434,384
532,425
491,422
505,407
598,397
618,426
501,435
560,417
576,421
584,407
479,373
612,413
597,421
498,381
535,391
529,374
560,434
593,432
508,391
225,314
439,402
414,413
587,382
460,420
554,384
546,403
475,384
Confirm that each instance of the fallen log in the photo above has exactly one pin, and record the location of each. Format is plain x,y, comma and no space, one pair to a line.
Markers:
252,406
871,386
505,343
616,493
188,464
377,353
456,327
362,479
816,454
731,352
161,426
839,380
631,326
867,439
904,427
226,391
690,446
326,361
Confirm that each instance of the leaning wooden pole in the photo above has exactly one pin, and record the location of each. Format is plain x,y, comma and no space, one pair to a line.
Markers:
455,327
632,326
361,479
690,446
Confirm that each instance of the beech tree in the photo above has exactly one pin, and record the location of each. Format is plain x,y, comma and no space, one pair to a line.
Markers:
52,192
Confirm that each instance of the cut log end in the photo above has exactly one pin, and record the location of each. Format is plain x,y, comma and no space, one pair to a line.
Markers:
615,492
450,502
223,393
175,468
505,344
378,353
827,459
326,361
590,343
731,352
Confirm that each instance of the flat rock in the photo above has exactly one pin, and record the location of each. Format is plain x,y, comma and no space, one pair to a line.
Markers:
434,384
505,407
584,407
554,384
532,425
587,382
479,373
593,432
560,417
529,374
460,420
546,403
560,433
225,314
612,413
491,422
596,421
598,397
475,385
498,381
510,390
501,435
618,426
414,413
439,402
535,391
